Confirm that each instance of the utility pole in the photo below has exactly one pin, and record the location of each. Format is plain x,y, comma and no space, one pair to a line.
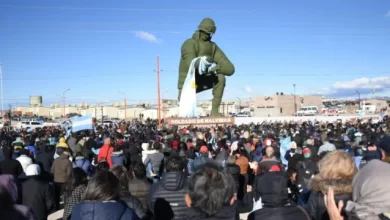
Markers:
239,105
2,97
125,104
158,92
295,101
359,97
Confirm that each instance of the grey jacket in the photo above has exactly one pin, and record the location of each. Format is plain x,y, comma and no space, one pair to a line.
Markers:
156,160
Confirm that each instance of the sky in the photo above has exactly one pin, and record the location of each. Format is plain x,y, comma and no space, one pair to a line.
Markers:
100,49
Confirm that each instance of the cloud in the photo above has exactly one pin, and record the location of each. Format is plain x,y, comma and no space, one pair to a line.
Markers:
248,89
363,85
147,36
387,14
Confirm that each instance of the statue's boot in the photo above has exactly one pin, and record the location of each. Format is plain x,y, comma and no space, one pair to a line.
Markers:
218,89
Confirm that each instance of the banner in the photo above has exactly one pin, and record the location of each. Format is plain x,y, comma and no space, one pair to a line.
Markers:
200,121
81,123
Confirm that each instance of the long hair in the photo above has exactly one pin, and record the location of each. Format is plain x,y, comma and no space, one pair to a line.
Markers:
103,186
123,176
78,177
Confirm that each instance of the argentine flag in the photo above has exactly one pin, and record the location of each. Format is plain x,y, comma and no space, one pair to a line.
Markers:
81,123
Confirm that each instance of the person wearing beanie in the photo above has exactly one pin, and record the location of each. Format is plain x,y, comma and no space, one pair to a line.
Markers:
290,153
306,170
202,158
36,193
268,161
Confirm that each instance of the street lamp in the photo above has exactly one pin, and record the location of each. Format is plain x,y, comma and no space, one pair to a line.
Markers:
63,96
125,104
295,101
239,105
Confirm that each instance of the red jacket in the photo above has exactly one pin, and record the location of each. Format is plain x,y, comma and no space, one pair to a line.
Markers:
105,154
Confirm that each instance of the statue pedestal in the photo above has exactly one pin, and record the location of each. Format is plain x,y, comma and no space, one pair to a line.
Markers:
200,122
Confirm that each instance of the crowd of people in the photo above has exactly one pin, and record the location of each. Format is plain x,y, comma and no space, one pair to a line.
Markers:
133,170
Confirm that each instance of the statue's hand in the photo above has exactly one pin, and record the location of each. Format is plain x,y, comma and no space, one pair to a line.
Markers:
210,60
213,69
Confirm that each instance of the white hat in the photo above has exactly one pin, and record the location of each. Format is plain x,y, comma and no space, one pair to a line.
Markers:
293,145
33,170
145,146
268,142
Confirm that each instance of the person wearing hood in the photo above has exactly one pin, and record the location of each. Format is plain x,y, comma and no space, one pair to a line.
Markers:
37,194
166,198
9,209
201,45
105,152
83,163
370,195
24,159
290,153
102,200
118,156
8,165
272,188
61,147
336,171
17,145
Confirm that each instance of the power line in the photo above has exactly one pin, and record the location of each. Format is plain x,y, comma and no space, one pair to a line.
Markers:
127,9
149,73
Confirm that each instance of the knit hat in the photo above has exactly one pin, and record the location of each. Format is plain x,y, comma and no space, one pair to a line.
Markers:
293,145
306,151
274,168
18,142
203,150
62,143
33,170
145,146
175,144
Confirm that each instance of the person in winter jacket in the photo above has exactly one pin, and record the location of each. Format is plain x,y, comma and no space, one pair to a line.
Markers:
233,169
24,159
202,158
8,200
139,185
211,194
166,198
337,170
132,202
72,143
272,188
44,158
268,161
8,165
37,194
74,190
83,163
102,200
155,159
105,152
290,153
61,170
306,170
118,156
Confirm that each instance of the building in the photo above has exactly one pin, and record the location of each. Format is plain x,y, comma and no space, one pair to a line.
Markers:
131,112
58,111
283,105
104,111
33,111
379,103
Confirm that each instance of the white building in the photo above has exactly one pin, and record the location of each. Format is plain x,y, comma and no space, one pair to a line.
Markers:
131,112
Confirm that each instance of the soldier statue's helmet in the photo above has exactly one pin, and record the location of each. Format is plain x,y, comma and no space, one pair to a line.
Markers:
207,25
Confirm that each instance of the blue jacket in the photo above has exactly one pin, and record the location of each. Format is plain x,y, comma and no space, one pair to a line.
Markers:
118,158
32,150
99,210
84,164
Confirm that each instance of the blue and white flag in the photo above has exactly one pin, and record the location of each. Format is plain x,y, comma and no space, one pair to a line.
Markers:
81,123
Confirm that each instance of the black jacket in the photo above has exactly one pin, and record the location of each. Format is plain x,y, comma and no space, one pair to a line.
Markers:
227,213
316,205
166,198
9,165
135,204
38,195
234,170
140,189
45,160
289,212
272,188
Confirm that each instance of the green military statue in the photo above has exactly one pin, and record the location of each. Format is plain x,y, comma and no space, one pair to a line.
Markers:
201,45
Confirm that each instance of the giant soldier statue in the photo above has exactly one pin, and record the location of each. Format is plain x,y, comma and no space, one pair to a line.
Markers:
201,45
